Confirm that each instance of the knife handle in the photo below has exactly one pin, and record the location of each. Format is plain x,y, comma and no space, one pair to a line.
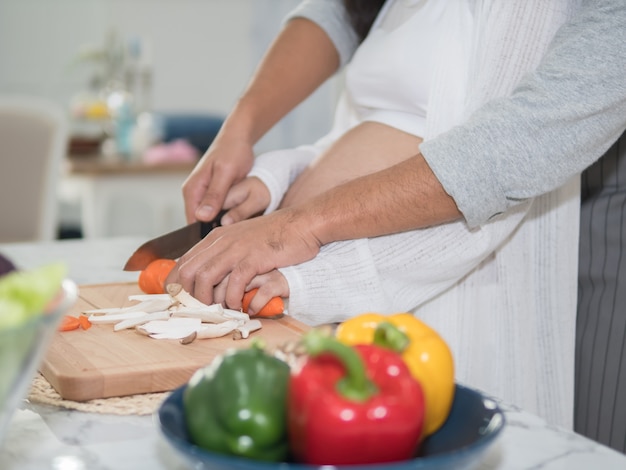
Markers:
206,227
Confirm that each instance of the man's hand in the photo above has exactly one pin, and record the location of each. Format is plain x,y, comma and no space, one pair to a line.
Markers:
230,257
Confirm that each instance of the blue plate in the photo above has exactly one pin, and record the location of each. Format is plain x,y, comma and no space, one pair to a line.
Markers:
473,425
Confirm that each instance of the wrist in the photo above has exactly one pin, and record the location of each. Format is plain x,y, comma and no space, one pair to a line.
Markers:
241,125
313,221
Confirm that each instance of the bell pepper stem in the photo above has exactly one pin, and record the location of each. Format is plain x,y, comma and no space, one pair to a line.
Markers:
389,336
355,385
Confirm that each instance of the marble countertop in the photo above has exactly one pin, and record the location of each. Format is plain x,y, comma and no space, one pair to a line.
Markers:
44,437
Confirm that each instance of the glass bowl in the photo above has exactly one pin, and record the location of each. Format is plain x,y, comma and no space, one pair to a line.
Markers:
22,348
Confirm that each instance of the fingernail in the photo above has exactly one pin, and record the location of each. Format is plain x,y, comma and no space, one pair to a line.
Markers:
204,212
226,220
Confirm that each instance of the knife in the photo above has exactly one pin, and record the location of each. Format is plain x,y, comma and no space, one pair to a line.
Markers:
172,245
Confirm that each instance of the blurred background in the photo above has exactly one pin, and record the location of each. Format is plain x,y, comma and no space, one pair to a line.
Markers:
131,76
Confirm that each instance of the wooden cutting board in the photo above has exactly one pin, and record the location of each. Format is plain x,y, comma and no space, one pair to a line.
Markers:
101,363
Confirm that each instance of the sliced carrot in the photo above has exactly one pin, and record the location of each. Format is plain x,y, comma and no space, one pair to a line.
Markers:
68,323
85,324
152,279
274,307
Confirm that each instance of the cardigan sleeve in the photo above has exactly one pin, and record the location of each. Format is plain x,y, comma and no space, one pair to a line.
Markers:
278,169
331,16
391,273
560,119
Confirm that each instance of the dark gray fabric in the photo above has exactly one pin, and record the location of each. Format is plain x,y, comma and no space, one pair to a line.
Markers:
600,394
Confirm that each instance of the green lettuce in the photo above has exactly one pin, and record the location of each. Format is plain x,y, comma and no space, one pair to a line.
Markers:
24,294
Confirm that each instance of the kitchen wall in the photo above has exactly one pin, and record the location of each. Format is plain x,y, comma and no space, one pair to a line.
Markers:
202,52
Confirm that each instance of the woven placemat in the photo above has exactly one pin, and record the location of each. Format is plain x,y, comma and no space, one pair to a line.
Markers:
145,404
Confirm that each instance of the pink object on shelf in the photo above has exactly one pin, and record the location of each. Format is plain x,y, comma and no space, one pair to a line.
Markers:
177,151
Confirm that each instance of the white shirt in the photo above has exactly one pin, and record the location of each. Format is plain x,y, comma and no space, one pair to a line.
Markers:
389,78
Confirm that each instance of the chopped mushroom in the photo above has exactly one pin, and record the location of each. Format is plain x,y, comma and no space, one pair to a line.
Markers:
176,315
173,328
236,315
142,297
146,305
215,330
114,317
184,297
207,314
243,331
133,322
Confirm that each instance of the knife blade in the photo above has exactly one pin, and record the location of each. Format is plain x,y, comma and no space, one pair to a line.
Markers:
172,245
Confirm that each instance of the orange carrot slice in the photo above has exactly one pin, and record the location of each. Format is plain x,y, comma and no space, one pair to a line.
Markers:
274,307
68,323
152,279
85,324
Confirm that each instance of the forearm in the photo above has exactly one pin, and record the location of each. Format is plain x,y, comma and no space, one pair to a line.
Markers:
300,59
391,273
403,197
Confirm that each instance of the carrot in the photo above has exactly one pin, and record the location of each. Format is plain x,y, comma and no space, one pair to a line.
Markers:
274,307
85,324
68,323
152,278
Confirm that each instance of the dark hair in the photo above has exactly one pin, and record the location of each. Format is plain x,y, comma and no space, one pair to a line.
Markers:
362,14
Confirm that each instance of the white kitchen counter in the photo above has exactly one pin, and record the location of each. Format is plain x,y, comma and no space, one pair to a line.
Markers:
44,437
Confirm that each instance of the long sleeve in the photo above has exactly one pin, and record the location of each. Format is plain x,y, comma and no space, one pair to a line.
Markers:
331,16
558,120
280,168
394,273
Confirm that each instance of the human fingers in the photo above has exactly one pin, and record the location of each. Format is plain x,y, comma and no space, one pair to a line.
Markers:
197,277
225,252
242,251
213,199
269,285
194,188
229,164
210,261
219,292
246,199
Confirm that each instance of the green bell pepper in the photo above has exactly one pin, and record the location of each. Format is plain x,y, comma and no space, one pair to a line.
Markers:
237,405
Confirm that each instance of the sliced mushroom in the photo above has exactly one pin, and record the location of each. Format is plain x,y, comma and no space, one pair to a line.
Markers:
236,315
209,314
156,304
133,322
184,297
213,330
142,297
173,328
243,331
115,317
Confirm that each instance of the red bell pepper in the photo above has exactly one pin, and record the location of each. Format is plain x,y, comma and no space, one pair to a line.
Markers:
353,405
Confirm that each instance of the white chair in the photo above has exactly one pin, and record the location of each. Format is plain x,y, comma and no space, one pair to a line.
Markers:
33,141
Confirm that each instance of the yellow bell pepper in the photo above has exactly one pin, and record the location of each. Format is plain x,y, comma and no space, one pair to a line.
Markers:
427,355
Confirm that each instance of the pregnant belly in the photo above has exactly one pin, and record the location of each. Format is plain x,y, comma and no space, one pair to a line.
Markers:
365,149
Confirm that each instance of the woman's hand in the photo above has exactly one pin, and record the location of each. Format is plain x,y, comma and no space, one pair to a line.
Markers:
224,164
272,284
245,199
300,59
